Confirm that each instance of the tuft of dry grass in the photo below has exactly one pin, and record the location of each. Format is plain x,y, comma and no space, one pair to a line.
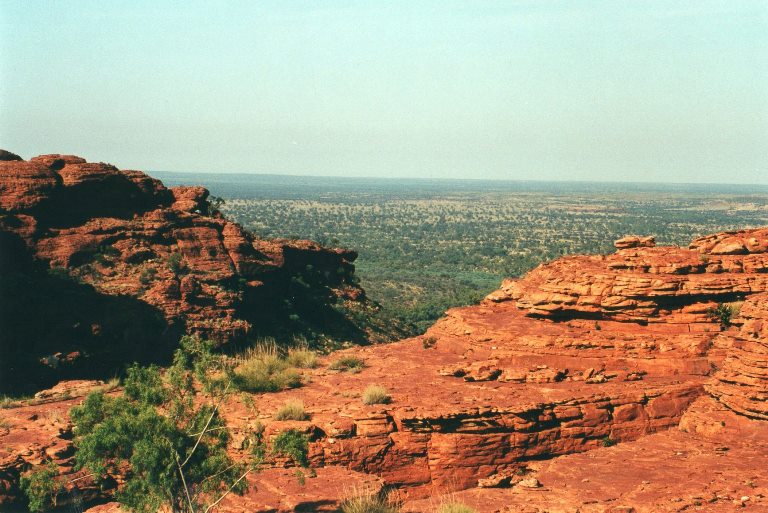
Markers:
368,501
262,369
292,410
7,401
376,394
302,357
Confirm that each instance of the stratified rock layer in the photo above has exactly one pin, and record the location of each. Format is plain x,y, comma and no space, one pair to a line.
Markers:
647,285
742,382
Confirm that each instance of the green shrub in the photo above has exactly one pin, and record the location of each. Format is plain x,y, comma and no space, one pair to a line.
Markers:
293,444
147,275
292,410
607,441
41,487
376,394
724,313
110,251
175,263
368,502
347,364
160,437
60,273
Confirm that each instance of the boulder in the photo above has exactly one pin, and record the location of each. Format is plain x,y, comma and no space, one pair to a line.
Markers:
635,241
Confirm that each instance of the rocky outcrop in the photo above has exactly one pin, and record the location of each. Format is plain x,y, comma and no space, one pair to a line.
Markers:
7,155
668,285
742,382
741,242
635,241
136,264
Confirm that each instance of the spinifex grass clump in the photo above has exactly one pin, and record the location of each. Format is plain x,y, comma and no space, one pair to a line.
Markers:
347,364
376,394
264,370
368,501
302,357
292,410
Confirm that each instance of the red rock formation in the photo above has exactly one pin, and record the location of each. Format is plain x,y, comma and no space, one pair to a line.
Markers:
740,242
666,285
742,382
24,185
635,241
528,390
123,235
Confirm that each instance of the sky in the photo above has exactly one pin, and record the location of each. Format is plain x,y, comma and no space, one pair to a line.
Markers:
618,90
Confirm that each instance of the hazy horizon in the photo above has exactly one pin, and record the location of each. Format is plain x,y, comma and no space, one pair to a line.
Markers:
225,173
658,91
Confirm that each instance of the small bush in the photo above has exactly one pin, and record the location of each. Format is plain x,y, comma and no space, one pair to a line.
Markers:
41,487
347,364
376,394
175,263
293,444
292,410
60,273
454,506
607,441
724,313
110,251
147,275
368,502
302,358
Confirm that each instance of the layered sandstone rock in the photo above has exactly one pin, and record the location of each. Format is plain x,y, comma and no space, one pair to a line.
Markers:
740,242
742,382
667,285
135,265
635,241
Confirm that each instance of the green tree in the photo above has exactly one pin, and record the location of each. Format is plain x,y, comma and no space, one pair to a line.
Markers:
167,444
174,446
41,487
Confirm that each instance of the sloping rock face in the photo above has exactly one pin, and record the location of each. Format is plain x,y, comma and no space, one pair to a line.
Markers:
101,266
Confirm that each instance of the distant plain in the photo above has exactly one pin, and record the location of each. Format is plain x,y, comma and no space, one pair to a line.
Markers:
428,245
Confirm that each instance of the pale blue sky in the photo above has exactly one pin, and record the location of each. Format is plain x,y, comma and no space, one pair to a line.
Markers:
523,89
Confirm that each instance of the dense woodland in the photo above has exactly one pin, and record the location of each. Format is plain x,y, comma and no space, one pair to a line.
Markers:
427,246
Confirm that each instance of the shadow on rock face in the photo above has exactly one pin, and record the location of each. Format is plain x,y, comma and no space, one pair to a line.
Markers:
286,307
52,327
